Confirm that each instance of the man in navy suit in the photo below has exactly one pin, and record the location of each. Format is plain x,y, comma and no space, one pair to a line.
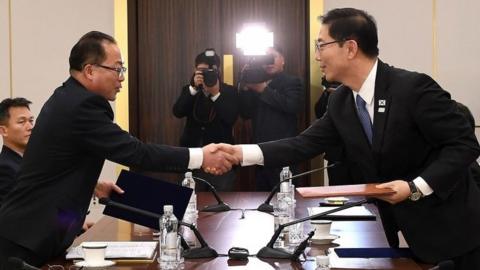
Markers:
16,123
399,128
73,136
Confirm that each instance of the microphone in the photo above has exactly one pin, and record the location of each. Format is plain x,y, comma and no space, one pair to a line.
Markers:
270,252
267,207
15,263
445,265
204,251
220,206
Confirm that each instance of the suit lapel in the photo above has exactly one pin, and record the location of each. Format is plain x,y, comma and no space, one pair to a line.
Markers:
382,103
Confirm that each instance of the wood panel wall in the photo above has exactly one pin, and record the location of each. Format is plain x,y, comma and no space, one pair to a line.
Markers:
164,38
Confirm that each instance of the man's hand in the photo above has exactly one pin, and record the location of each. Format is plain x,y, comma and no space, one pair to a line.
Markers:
104,188
87,225
401,188
235,150
198,79
257,87
217,159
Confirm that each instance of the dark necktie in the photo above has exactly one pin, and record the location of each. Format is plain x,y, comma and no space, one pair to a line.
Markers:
364,117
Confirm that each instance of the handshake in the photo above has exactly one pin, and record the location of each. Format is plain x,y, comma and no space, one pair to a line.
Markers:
219,158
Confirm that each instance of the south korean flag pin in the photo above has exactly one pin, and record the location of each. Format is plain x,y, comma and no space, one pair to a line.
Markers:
382,102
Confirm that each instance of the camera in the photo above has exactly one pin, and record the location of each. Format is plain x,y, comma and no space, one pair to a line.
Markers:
254,72
210,77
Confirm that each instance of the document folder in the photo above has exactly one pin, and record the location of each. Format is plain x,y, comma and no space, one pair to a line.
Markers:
350,214
374,253
148,194
345,190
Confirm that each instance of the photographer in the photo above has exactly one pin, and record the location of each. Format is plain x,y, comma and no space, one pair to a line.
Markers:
211,109
272,105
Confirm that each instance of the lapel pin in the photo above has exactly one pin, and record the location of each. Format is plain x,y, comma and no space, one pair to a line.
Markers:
381,109
382,102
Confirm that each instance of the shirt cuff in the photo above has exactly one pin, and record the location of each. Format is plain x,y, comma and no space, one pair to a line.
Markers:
252,155
422,185
196,158
193,91
213,98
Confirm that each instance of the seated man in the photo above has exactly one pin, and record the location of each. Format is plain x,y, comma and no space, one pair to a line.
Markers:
16,123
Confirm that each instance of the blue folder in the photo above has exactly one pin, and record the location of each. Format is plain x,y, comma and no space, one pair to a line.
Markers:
374,252
148,194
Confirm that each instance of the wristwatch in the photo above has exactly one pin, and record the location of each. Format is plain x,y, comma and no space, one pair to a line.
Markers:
415,193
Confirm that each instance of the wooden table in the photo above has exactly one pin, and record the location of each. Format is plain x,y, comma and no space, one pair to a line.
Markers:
228,229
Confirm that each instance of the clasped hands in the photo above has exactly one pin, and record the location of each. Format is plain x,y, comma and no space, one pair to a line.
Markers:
219,158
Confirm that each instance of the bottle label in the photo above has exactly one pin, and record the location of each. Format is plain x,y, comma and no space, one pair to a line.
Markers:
171,240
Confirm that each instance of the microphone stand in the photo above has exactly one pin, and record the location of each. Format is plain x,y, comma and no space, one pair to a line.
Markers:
220,206
270,252
267,207
204,251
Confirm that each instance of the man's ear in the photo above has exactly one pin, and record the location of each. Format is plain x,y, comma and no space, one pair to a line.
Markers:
88,71
352,47
3,131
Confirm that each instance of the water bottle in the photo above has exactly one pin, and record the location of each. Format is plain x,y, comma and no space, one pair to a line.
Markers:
170,253
287,186
290,189
191,214
190,183
281,216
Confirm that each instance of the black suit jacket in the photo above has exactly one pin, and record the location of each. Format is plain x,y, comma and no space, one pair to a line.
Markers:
9,165
274,111
420,133
73,135
207,121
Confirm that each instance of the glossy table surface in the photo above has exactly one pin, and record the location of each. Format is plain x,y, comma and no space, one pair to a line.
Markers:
253,230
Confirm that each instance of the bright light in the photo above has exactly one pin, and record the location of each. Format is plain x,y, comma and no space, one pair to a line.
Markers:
254,39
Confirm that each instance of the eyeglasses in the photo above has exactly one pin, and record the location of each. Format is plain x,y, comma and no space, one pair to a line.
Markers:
320,45
120,70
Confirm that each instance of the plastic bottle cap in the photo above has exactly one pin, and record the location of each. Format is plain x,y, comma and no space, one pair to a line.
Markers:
167,208
188,175
322,260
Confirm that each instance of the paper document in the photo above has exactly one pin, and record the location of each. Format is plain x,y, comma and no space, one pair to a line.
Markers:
120,250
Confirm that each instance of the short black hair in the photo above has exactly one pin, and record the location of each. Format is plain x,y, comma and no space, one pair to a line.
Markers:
202,58
350,23
89,50
8,103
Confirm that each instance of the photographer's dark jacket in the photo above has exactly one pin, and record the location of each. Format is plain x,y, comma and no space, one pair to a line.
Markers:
207,121
274,111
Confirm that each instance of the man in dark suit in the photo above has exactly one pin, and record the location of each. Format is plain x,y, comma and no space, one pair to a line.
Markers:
73,136
16,123
419,145
273,106
211,109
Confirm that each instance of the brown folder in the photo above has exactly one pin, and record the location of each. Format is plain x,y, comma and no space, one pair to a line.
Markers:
346,190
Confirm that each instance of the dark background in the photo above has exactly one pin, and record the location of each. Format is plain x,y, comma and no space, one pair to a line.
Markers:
166,35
